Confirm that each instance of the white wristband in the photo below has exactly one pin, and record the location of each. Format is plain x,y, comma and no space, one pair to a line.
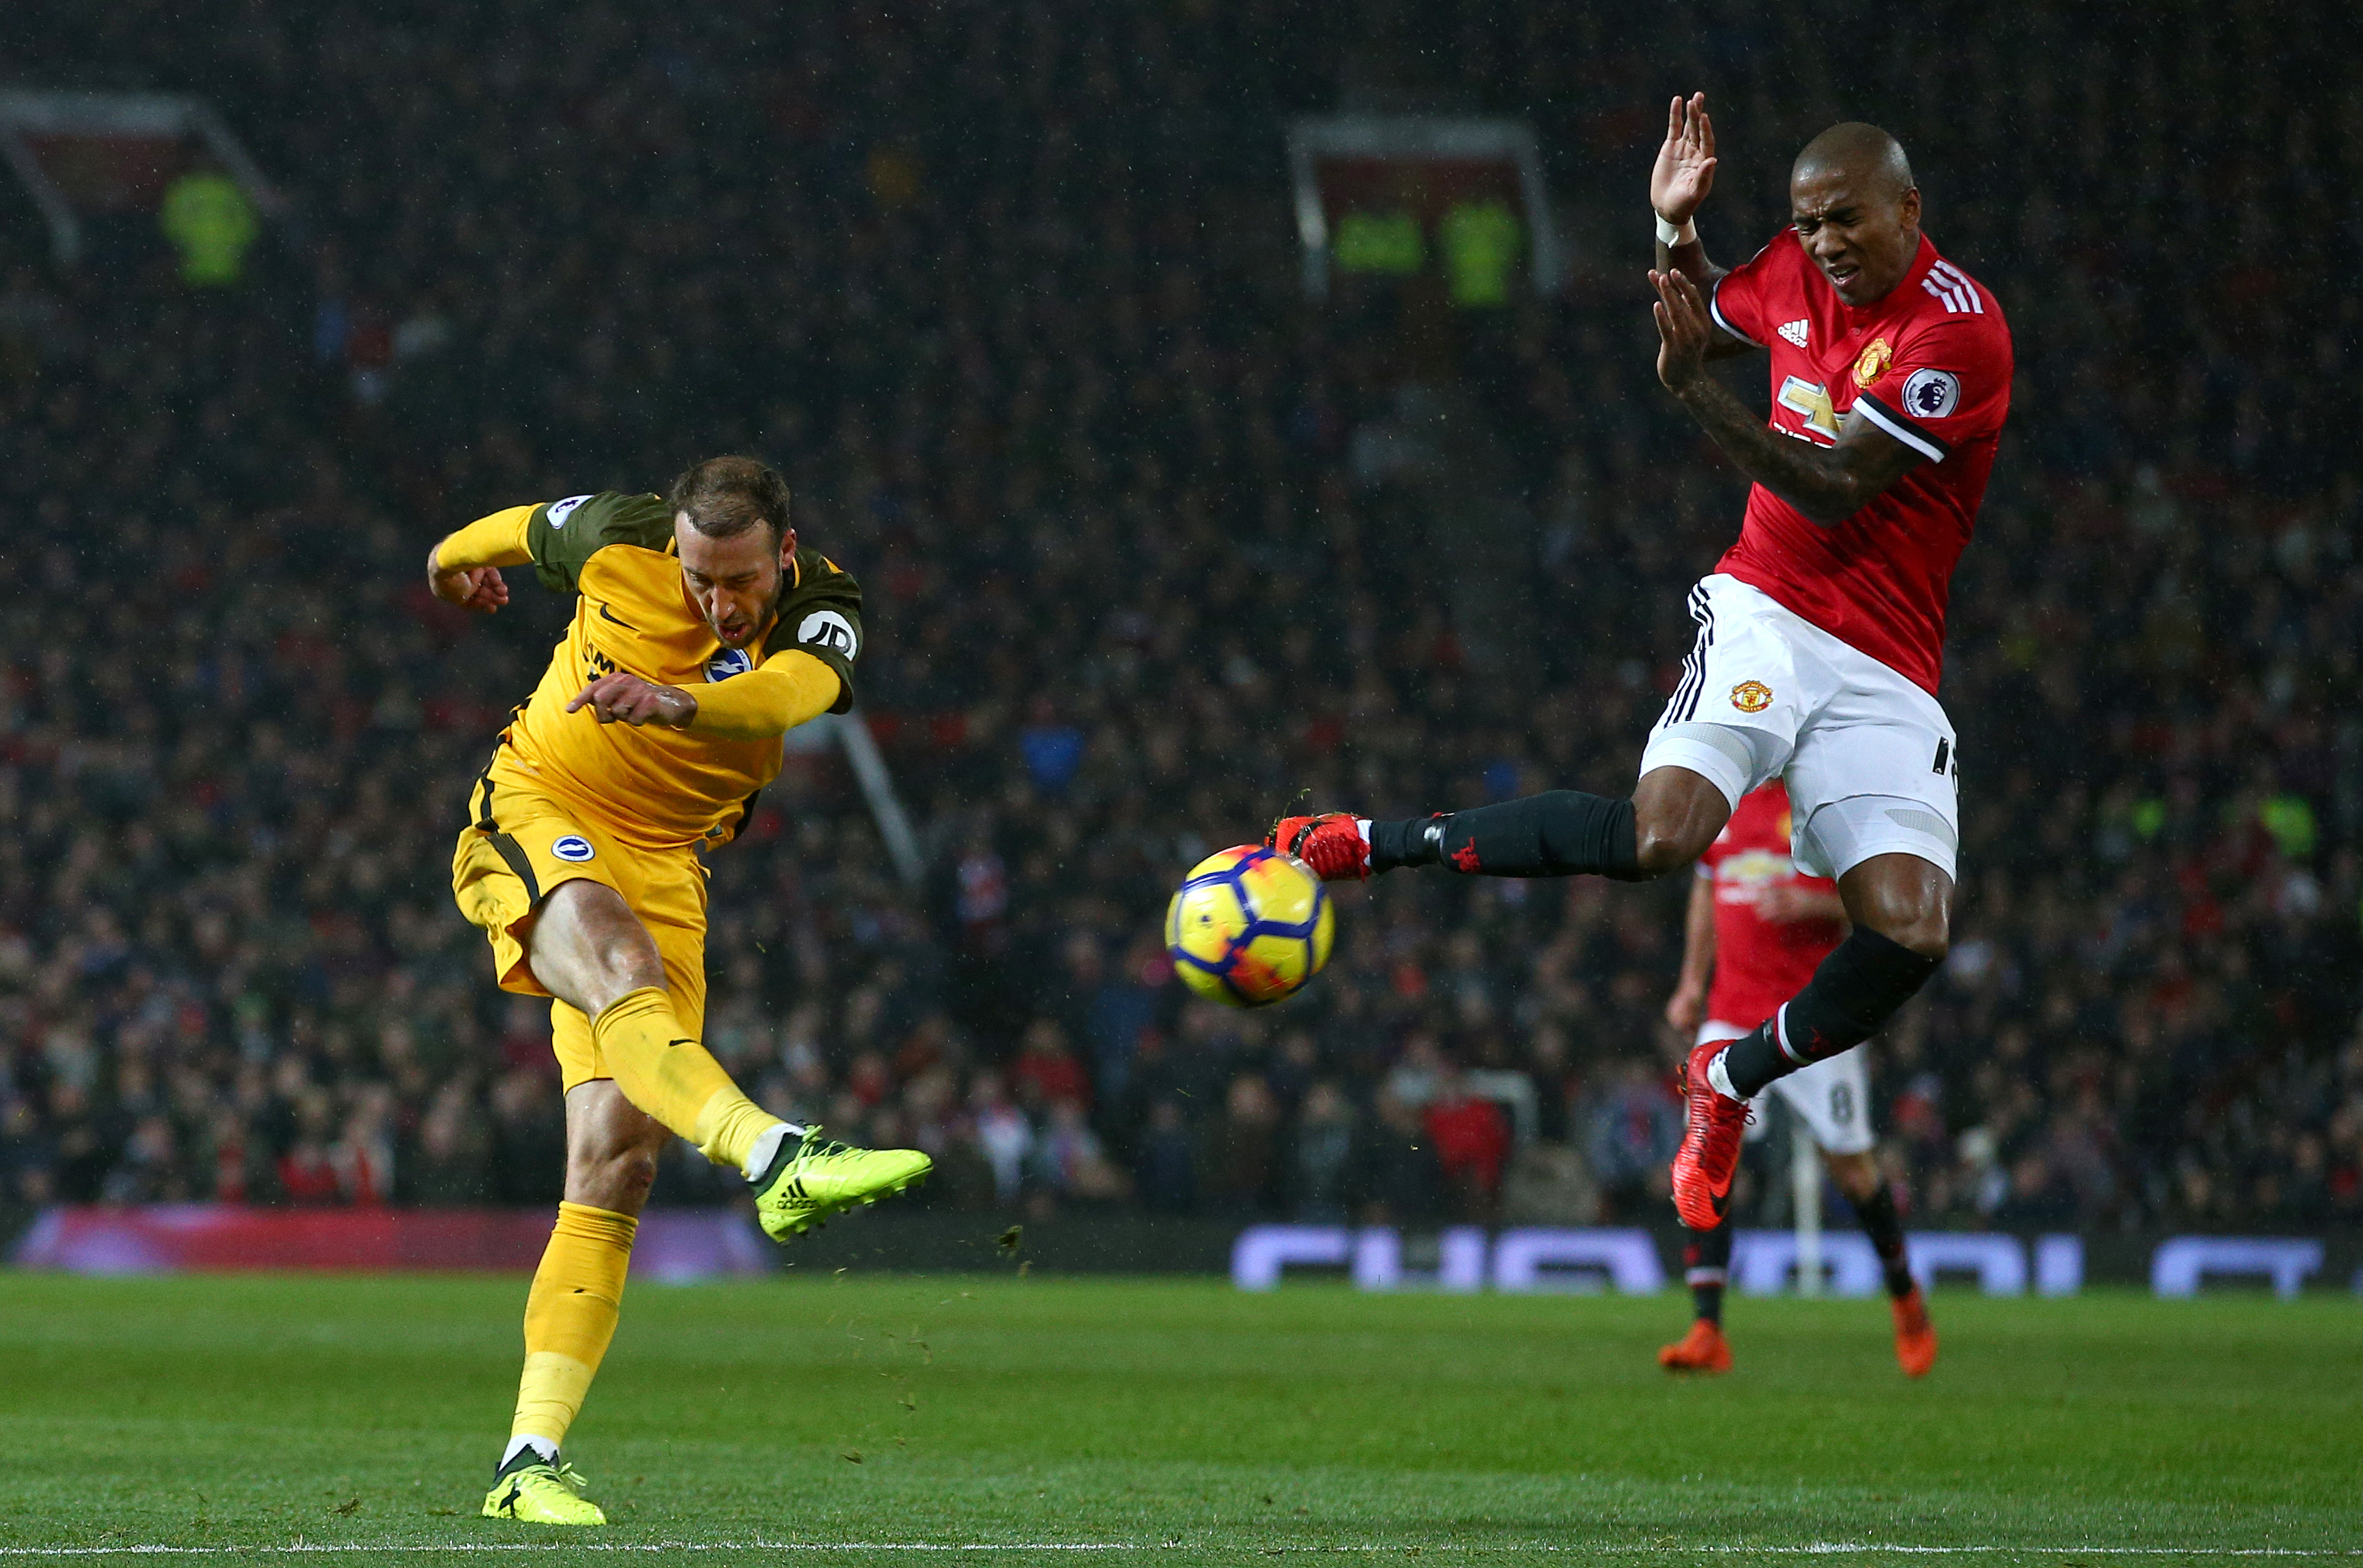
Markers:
1669,236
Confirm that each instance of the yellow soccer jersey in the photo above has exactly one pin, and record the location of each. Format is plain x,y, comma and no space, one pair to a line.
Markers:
655,787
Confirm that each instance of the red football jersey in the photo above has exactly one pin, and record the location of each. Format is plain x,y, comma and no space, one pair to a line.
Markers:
1930,365
1760,963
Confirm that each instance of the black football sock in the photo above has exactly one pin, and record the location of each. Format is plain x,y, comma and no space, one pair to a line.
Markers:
1886,1231
1562,832
1856,990
1884,1225
1706,1264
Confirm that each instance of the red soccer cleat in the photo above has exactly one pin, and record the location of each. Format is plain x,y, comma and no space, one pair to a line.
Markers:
1709,1156
1703,1349
1915,1337
1331,843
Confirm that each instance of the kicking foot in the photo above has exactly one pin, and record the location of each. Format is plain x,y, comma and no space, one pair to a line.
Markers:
531,1488
806,1186
1703,1349
1915,1337
1709,1155
1332,844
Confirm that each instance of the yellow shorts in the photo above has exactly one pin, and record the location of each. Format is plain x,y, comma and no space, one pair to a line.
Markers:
499,875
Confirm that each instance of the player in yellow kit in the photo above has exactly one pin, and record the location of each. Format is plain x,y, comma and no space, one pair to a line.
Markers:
702,633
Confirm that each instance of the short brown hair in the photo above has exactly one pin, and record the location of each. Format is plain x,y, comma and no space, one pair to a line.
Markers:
727,495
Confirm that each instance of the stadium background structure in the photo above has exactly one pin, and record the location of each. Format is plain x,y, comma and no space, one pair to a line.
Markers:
1011,293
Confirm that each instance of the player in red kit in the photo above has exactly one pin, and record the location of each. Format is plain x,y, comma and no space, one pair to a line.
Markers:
1821,631
1757,928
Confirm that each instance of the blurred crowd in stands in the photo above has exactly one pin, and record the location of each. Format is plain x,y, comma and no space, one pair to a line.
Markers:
1011,292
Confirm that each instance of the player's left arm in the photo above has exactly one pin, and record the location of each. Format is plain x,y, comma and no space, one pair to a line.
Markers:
807,671
1828,484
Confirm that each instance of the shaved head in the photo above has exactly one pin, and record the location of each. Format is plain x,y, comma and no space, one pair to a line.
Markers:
1866,155
1856,209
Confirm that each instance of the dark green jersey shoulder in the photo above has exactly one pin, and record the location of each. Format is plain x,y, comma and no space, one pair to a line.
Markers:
562,535
822,615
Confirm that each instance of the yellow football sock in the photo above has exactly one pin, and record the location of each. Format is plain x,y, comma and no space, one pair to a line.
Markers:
676,1080
570,1315
728,1127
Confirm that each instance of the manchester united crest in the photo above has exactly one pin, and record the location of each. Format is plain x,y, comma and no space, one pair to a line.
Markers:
1751,696
1873,363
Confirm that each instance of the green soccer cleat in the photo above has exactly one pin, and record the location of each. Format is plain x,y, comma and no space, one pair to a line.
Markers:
810,1184
531,1488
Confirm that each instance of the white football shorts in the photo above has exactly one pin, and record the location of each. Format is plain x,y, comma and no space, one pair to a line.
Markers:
1832,1096
1868,757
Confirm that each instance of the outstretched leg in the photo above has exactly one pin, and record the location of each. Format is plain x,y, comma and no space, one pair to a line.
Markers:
591,951
1671,818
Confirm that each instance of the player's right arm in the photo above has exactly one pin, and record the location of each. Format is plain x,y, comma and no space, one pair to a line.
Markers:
464,569
1686,1009
555,538
1679,184
1825,485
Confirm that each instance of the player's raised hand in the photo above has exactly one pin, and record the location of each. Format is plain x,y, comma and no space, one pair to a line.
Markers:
479,589
620,698
1684,328
1685,168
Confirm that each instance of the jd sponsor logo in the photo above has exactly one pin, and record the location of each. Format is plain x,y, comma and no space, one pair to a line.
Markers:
561,510
572,847
827,628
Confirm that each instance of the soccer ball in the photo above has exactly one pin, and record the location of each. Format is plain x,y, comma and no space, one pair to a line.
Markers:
1249,926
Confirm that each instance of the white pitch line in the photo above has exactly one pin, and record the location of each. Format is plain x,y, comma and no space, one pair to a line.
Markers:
1589,1549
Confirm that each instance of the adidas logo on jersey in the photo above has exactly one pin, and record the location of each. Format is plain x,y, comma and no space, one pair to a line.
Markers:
1951,285
1794,331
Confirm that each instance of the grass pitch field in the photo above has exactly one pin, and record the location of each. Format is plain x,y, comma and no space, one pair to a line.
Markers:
891,1421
